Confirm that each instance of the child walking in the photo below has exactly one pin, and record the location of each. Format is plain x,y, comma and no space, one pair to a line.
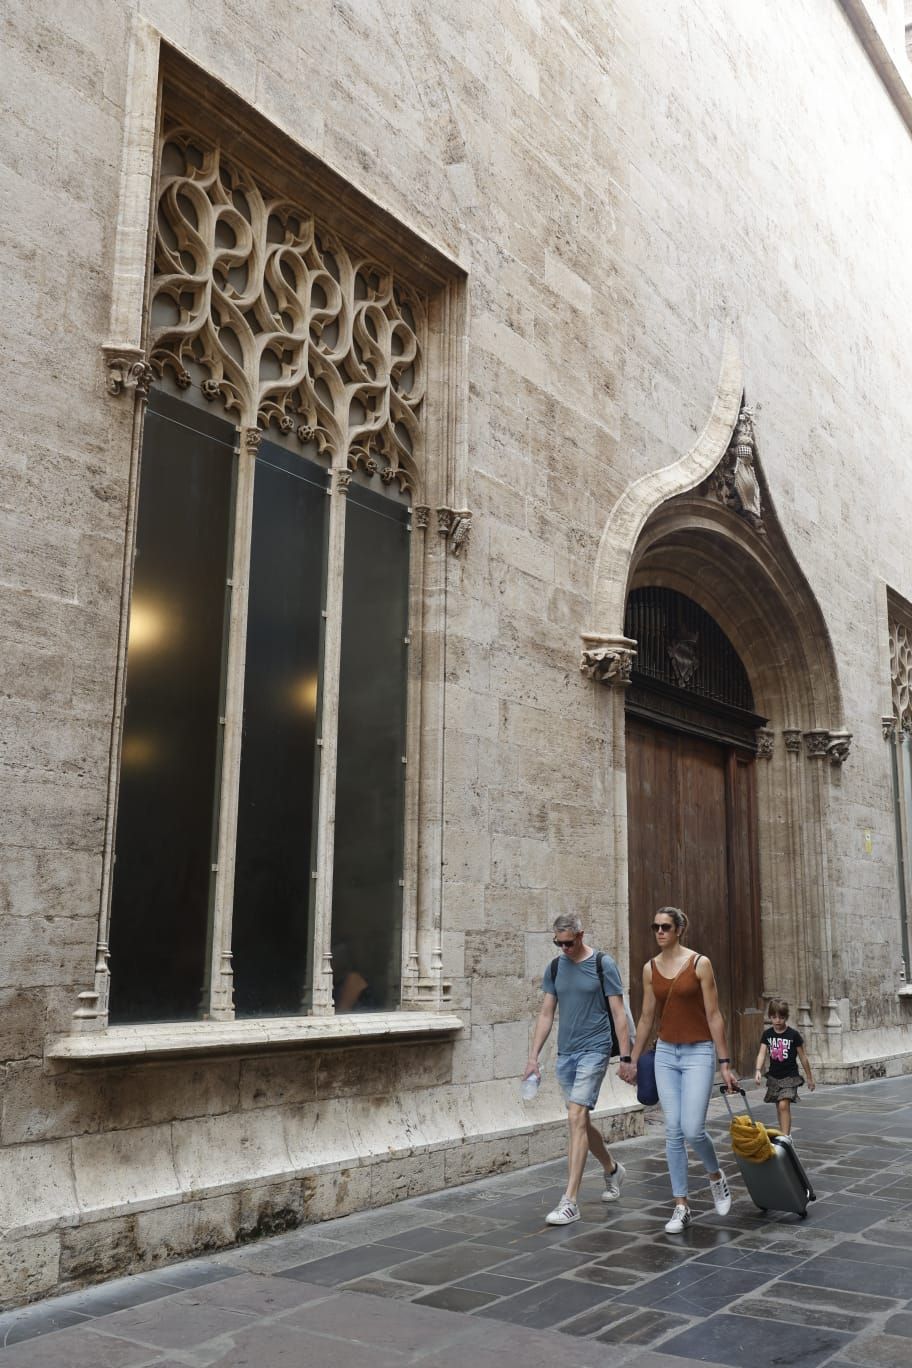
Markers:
783,1047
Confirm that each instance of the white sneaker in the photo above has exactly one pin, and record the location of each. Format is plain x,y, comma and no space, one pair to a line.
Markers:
613,1183
680,1220
721,1195
565,1213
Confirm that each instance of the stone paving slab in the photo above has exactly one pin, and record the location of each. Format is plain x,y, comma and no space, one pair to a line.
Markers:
464,1278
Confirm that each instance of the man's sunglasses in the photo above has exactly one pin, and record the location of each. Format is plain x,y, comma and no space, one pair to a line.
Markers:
565,945
659,926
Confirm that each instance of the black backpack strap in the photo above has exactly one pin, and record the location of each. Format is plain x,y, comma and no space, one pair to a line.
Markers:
615,1043
598,970
554,963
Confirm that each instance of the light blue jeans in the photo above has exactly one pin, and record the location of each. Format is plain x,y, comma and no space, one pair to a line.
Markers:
684,1078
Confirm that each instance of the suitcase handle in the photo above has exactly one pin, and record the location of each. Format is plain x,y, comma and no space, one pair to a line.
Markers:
728,1094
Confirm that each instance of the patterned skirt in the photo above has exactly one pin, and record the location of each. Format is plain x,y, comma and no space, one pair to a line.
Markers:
783,1089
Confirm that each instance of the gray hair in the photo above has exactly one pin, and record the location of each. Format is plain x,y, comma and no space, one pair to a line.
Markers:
569,922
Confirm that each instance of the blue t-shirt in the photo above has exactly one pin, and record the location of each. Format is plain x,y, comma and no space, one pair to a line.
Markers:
582,1018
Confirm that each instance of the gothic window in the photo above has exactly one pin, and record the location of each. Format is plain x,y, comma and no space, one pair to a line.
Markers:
898,732
260,839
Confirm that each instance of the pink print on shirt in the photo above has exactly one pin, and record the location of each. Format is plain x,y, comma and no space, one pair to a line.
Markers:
779,1048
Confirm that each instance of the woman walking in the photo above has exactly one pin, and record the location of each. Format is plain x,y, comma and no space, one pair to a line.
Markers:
691,1036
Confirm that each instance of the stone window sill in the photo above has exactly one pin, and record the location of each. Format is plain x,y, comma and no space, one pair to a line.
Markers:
905,991
176,1039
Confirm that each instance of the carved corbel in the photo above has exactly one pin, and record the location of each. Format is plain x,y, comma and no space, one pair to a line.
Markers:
421,517
343,480
888,724
816,743
608,660
128,371
461,531
838,747
456,525
792,738
765,742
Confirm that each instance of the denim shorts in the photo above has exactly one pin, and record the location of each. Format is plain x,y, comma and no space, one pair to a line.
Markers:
580,1076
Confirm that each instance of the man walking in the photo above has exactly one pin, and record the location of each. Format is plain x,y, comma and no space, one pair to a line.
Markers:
583,1052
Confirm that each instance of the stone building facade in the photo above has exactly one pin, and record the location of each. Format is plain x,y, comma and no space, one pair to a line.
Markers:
491,422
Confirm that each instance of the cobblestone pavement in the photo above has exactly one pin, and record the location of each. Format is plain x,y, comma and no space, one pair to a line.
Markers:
464,1278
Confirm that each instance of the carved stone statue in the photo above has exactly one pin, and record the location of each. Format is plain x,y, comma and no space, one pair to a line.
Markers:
734,482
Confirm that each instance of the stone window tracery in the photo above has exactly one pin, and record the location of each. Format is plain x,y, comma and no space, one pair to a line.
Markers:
324,367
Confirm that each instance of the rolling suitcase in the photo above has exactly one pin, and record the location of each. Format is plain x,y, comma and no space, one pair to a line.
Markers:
780,1182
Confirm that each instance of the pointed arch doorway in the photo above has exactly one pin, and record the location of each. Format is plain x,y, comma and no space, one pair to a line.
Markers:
691,736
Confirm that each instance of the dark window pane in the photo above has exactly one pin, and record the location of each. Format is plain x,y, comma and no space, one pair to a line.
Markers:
171,744
370,781
273,887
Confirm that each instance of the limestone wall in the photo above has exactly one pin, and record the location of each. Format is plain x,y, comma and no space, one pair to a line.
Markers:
622,182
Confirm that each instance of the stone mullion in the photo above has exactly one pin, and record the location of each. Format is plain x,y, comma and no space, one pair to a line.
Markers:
411,968
218,994
321,972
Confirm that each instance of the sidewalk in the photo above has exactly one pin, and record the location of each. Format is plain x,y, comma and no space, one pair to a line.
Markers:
473,1278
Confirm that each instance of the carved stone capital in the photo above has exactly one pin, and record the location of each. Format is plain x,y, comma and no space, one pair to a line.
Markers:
608,660
252,439
128,371
343,479
444,521
838,747
816,743
888,724
421,516
765,741
792,738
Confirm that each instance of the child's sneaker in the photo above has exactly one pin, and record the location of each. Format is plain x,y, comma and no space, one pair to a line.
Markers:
564,1213
721,1196
680,1220
613,1183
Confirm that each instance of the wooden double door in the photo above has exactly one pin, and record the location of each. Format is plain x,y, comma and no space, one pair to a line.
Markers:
691,816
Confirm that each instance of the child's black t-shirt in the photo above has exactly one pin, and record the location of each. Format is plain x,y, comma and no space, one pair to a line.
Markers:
783,1051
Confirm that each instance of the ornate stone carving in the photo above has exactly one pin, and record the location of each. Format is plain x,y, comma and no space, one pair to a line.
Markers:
765,739
421,516
888,725
444,521
792,738
734,482
343,480
288,324
461,531
901,673
608,660
252,439
816,742
838,747
128,372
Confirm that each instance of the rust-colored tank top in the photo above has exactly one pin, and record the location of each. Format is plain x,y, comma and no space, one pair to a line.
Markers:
684,1017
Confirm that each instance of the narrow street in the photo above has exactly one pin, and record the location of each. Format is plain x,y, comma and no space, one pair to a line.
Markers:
473,1278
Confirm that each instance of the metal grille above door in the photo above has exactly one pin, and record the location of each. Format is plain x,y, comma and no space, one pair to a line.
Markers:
687,673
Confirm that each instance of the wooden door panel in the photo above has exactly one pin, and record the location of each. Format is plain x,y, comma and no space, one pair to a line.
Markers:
692,844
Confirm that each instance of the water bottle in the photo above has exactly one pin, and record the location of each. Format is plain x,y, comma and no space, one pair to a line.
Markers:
529,1087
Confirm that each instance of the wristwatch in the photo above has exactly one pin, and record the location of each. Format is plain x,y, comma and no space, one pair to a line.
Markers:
625,1059
724,1061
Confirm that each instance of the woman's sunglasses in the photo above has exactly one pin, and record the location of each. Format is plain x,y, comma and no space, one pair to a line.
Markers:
659,926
